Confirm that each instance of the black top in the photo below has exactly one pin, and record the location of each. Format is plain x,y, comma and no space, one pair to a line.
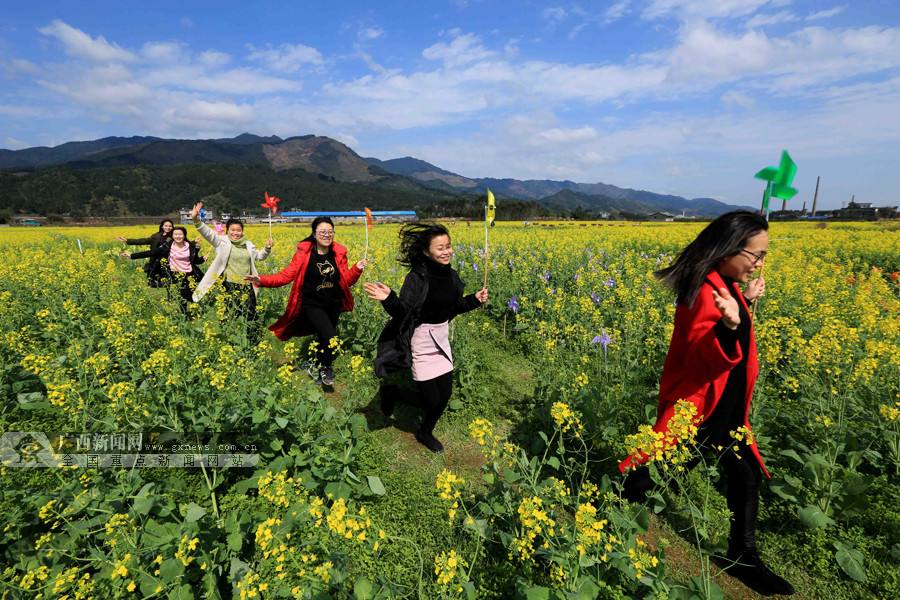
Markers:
729,412
321,282
405,308
441,300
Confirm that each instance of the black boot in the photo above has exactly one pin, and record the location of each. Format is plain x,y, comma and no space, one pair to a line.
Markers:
747,567
429,441
388,400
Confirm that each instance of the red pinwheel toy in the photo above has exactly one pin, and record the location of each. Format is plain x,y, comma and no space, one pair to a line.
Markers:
272,204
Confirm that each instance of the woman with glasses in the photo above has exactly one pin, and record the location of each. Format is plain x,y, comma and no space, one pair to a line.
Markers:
712,363
320,293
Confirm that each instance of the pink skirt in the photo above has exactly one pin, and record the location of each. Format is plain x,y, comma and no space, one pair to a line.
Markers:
431,355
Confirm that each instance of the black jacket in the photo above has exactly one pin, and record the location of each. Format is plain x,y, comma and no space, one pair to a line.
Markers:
156,272
394,342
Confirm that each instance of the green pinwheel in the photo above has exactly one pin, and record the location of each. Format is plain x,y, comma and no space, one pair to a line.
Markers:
779,179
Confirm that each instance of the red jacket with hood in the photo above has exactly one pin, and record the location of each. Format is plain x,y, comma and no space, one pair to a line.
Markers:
289,325
697,367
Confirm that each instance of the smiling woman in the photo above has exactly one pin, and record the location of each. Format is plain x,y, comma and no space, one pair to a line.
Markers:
417,335
712,364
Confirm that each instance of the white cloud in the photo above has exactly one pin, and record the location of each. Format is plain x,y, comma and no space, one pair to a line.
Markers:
216,111
761,20
163,52
705,9
616,11
214,59
12,143
21,65
346,139
464,49
558,136
235,81
554,14
287,57
734,98
825,14
78,43
369,33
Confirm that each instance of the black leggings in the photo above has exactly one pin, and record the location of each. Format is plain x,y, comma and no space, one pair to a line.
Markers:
742,495
324,323
433,396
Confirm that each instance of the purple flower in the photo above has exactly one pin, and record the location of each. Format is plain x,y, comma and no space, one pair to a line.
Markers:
545,276
603,339
513,305
474,266
609,283
596,297
576,276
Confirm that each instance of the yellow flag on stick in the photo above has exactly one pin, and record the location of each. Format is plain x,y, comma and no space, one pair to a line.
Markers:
491,209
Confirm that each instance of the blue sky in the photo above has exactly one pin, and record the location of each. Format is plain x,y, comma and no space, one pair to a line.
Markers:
688,97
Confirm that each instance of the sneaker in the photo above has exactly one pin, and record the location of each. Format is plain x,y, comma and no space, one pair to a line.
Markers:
429,441
749,569
309,367
326,376
388,400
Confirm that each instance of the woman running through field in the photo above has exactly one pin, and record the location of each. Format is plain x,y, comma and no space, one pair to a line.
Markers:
182,258
712,363
417,335
319,294
236,258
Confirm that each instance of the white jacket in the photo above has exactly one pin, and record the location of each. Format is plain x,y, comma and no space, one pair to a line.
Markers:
222,244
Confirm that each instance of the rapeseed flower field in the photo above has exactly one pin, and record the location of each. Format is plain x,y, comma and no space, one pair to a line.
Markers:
555,382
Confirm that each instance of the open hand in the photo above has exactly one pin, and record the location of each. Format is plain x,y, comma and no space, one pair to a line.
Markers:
125,255
728,306
482,295
195,212
121,239
254,279
377,291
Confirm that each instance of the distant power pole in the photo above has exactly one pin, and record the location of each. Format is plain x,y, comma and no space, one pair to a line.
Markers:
816,196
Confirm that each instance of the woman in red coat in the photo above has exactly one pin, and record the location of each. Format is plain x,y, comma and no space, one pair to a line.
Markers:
712,363
321,292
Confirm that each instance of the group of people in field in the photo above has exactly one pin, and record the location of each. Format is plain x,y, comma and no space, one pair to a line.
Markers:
711,362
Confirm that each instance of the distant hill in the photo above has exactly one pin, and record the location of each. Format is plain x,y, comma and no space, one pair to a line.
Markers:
42,156
332,161
595,196
318,155
423,171
164,189
570,200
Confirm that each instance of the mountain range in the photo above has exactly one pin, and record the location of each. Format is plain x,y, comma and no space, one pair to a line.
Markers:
330,160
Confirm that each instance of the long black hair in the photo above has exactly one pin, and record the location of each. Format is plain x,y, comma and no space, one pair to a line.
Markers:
415,238
725,236
316,222
163,222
